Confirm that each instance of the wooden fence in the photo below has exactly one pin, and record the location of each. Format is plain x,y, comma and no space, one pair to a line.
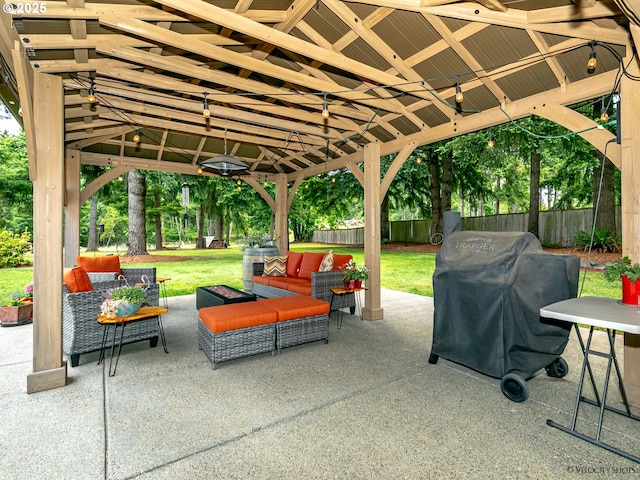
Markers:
556,228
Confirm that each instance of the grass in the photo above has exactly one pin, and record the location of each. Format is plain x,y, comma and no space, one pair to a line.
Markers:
407,272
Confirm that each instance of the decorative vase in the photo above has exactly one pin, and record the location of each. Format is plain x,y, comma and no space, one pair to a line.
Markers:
127,309
349,284
630,291
358,284
15,315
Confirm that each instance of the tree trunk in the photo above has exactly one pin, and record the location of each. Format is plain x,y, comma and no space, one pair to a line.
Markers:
200,243
447,182
534,193
606,214
92,240
384,219
137,213
158,220
434,192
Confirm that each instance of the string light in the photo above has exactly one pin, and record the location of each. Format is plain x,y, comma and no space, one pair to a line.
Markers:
490,143
459,95
239,182
604,116
136,136
91,97
592,62
199,170
418,160
325,109
206,113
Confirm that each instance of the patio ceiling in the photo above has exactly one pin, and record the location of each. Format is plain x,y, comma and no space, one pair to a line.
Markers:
386,69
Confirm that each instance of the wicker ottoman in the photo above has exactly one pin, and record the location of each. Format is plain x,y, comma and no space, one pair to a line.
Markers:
301,319
237,330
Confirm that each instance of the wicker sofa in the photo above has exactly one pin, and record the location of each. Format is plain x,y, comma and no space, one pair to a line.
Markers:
81,332
303,278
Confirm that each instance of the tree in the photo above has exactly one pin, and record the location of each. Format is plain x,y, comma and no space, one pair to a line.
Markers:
16,192
137,214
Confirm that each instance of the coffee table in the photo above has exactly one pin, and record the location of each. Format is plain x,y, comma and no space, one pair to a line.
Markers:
220,295
142,314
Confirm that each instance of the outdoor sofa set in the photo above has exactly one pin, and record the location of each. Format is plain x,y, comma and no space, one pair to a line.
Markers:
83,290
295,310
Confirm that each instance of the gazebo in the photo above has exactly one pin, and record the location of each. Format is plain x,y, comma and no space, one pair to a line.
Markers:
288,89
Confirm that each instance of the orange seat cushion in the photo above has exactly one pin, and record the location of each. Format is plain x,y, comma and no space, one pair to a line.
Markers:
237,315
301,288
297,306
293,263
110,263
310,263
76,280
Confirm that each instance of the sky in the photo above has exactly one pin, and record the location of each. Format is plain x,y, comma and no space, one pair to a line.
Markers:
10,125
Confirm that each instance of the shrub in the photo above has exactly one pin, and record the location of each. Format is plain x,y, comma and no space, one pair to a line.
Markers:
13,247
603,241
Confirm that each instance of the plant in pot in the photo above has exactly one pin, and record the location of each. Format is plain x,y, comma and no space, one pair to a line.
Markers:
17,309
353,275
629,273
123,301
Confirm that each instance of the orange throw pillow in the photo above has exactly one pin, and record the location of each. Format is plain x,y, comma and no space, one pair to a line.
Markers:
293,263
110,263
76,280
310,263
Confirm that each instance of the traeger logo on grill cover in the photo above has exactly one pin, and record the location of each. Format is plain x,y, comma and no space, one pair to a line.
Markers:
476,246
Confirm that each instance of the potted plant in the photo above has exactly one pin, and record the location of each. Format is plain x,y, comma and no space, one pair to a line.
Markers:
353,275
17,309
629,273
123,301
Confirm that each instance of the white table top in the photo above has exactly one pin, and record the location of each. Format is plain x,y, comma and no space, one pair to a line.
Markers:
596,311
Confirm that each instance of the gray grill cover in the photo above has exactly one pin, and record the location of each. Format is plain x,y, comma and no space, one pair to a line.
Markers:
488,289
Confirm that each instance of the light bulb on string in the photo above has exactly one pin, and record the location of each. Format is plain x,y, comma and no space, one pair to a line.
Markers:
325,108
239,182
459,94
418,160
206,113
199,170
91,97
136,136
604,116
490,143
592,63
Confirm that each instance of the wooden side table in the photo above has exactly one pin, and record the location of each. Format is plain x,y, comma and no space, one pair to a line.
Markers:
345,291
142,314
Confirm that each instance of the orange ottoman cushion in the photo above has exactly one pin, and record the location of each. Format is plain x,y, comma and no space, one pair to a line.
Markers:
296,306
237,315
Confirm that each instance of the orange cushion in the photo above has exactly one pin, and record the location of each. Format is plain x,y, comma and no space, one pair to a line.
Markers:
76,280
110,263
339,260
297,306
293,263
310,263
236,315
302,288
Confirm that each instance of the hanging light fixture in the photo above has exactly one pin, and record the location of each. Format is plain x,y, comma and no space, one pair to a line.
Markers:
459,95
136,136
325,108
206,113
224,163
91,97
592,63
490,143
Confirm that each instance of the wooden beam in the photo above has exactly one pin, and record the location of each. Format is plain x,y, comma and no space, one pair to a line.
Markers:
372,309
571,14
24,75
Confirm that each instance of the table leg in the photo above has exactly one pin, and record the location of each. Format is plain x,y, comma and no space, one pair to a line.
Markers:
163,294
103,345
612,361
160,327
112,374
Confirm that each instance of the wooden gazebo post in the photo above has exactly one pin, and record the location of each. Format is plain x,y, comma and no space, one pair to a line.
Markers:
49,370
629,118
372,309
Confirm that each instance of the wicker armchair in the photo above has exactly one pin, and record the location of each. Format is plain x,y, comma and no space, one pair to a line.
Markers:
81,332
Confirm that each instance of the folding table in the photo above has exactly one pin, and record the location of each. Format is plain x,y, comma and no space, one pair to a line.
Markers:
611,315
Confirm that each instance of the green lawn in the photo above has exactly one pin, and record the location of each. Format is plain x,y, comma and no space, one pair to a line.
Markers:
408,272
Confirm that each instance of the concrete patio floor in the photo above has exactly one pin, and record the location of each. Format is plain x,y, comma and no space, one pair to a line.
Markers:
367,405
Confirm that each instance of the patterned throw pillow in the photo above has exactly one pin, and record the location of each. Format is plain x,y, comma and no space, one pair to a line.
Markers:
327,262
275,267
